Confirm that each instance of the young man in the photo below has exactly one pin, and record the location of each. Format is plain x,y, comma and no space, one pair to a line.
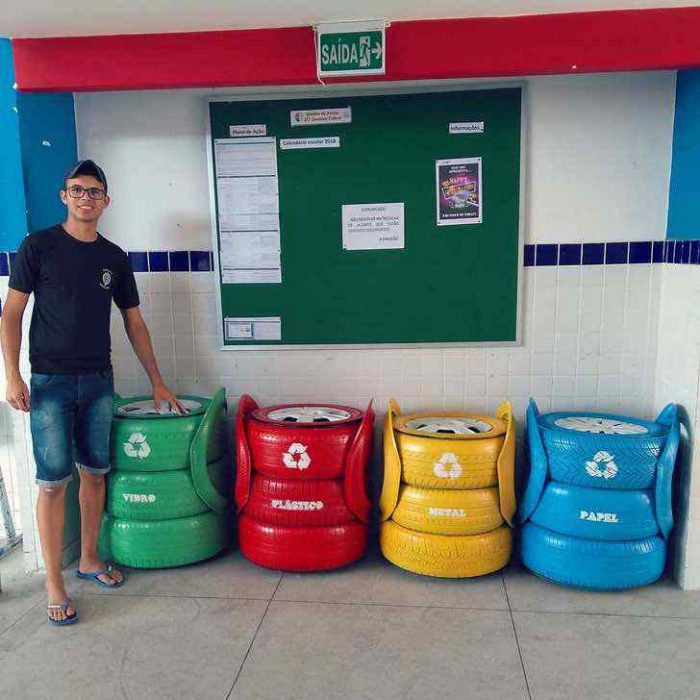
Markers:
75,274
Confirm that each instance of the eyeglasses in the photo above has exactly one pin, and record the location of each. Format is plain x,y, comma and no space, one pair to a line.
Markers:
77,192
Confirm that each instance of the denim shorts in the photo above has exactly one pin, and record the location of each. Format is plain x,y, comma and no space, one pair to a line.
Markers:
70,418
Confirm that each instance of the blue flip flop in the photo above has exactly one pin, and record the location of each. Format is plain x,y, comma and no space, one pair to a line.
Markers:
70,620
107,571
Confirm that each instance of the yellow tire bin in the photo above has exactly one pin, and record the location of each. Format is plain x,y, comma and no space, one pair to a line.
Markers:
446,556
448,511
448,495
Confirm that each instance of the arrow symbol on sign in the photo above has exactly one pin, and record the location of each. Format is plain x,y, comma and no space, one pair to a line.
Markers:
377,50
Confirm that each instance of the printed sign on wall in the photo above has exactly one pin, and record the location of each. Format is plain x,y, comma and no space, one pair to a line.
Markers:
246,130
313,117
373,226
459,191
466,127
320,142
350,48
265,328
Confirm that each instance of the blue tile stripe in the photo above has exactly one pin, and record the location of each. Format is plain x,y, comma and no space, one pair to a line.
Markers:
146,261
593,253
612,253
139,261
158,261
570,253
534,255
546,254
179,261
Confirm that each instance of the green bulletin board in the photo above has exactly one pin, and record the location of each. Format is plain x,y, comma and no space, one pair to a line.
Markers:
454,283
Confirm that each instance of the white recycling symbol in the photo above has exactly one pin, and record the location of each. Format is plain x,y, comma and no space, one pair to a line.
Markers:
448,466
296,457
137,446
610,469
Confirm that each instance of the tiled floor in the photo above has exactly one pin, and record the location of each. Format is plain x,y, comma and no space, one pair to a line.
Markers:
227,629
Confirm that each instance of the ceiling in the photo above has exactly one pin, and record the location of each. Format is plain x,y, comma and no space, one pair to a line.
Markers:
48,18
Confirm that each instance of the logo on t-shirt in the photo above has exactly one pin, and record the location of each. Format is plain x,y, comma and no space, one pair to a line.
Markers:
106,279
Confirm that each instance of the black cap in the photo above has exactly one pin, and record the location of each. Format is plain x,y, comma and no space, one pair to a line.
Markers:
87,167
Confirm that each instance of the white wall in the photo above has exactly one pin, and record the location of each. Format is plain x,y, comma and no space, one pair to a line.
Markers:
7,466
151,145
12,448
678,380
598,161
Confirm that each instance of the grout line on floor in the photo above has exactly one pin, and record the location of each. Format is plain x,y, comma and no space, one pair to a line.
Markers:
21,617
589,613
515,634
390,605
252,641
170,595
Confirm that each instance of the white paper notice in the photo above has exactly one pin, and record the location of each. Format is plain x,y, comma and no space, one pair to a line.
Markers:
245,157
251,222
265,328
373,226
311,117
251,276
250,250
239,329
321,142
466,127
238,130
248,197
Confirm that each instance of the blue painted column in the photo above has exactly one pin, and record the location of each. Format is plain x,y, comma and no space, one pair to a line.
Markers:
49,148
37,146
13,218
684,194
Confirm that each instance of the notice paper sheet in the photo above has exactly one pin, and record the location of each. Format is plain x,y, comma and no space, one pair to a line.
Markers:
248,195
373,226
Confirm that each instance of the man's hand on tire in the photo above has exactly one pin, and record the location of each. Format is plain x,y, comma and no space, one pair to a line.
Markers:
161,394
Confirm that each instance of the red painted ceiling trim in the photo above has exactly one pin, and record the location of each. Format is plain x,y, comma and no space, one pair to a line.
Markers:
588,42
143,61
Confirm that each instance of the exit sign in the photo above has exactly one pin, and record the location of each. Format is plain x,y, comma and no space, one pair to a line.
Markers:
350,48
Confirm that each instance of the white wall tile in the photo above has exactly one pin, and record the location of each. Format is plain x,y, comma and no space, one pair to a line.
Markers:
565,362
677,380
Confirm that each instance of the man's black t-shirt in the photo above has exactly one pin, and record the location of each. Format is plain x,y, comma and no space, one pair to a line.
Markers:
73,284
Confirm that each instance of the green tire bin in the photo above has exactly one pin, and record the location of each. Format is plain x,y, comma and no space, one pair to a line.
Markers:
169,494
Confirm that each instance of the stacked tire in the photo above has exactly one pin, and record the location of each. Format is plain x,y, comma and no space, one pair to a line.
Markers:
597,508
301,486
448,495
168,492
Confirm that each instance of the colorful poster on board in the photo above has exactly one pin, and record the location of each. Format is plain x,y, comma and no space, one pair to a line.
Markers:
459,191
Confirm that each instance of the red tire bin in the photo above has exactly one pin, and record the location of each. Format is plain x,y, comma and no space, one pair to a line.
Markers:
301,489
302,549
289,442
289,503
